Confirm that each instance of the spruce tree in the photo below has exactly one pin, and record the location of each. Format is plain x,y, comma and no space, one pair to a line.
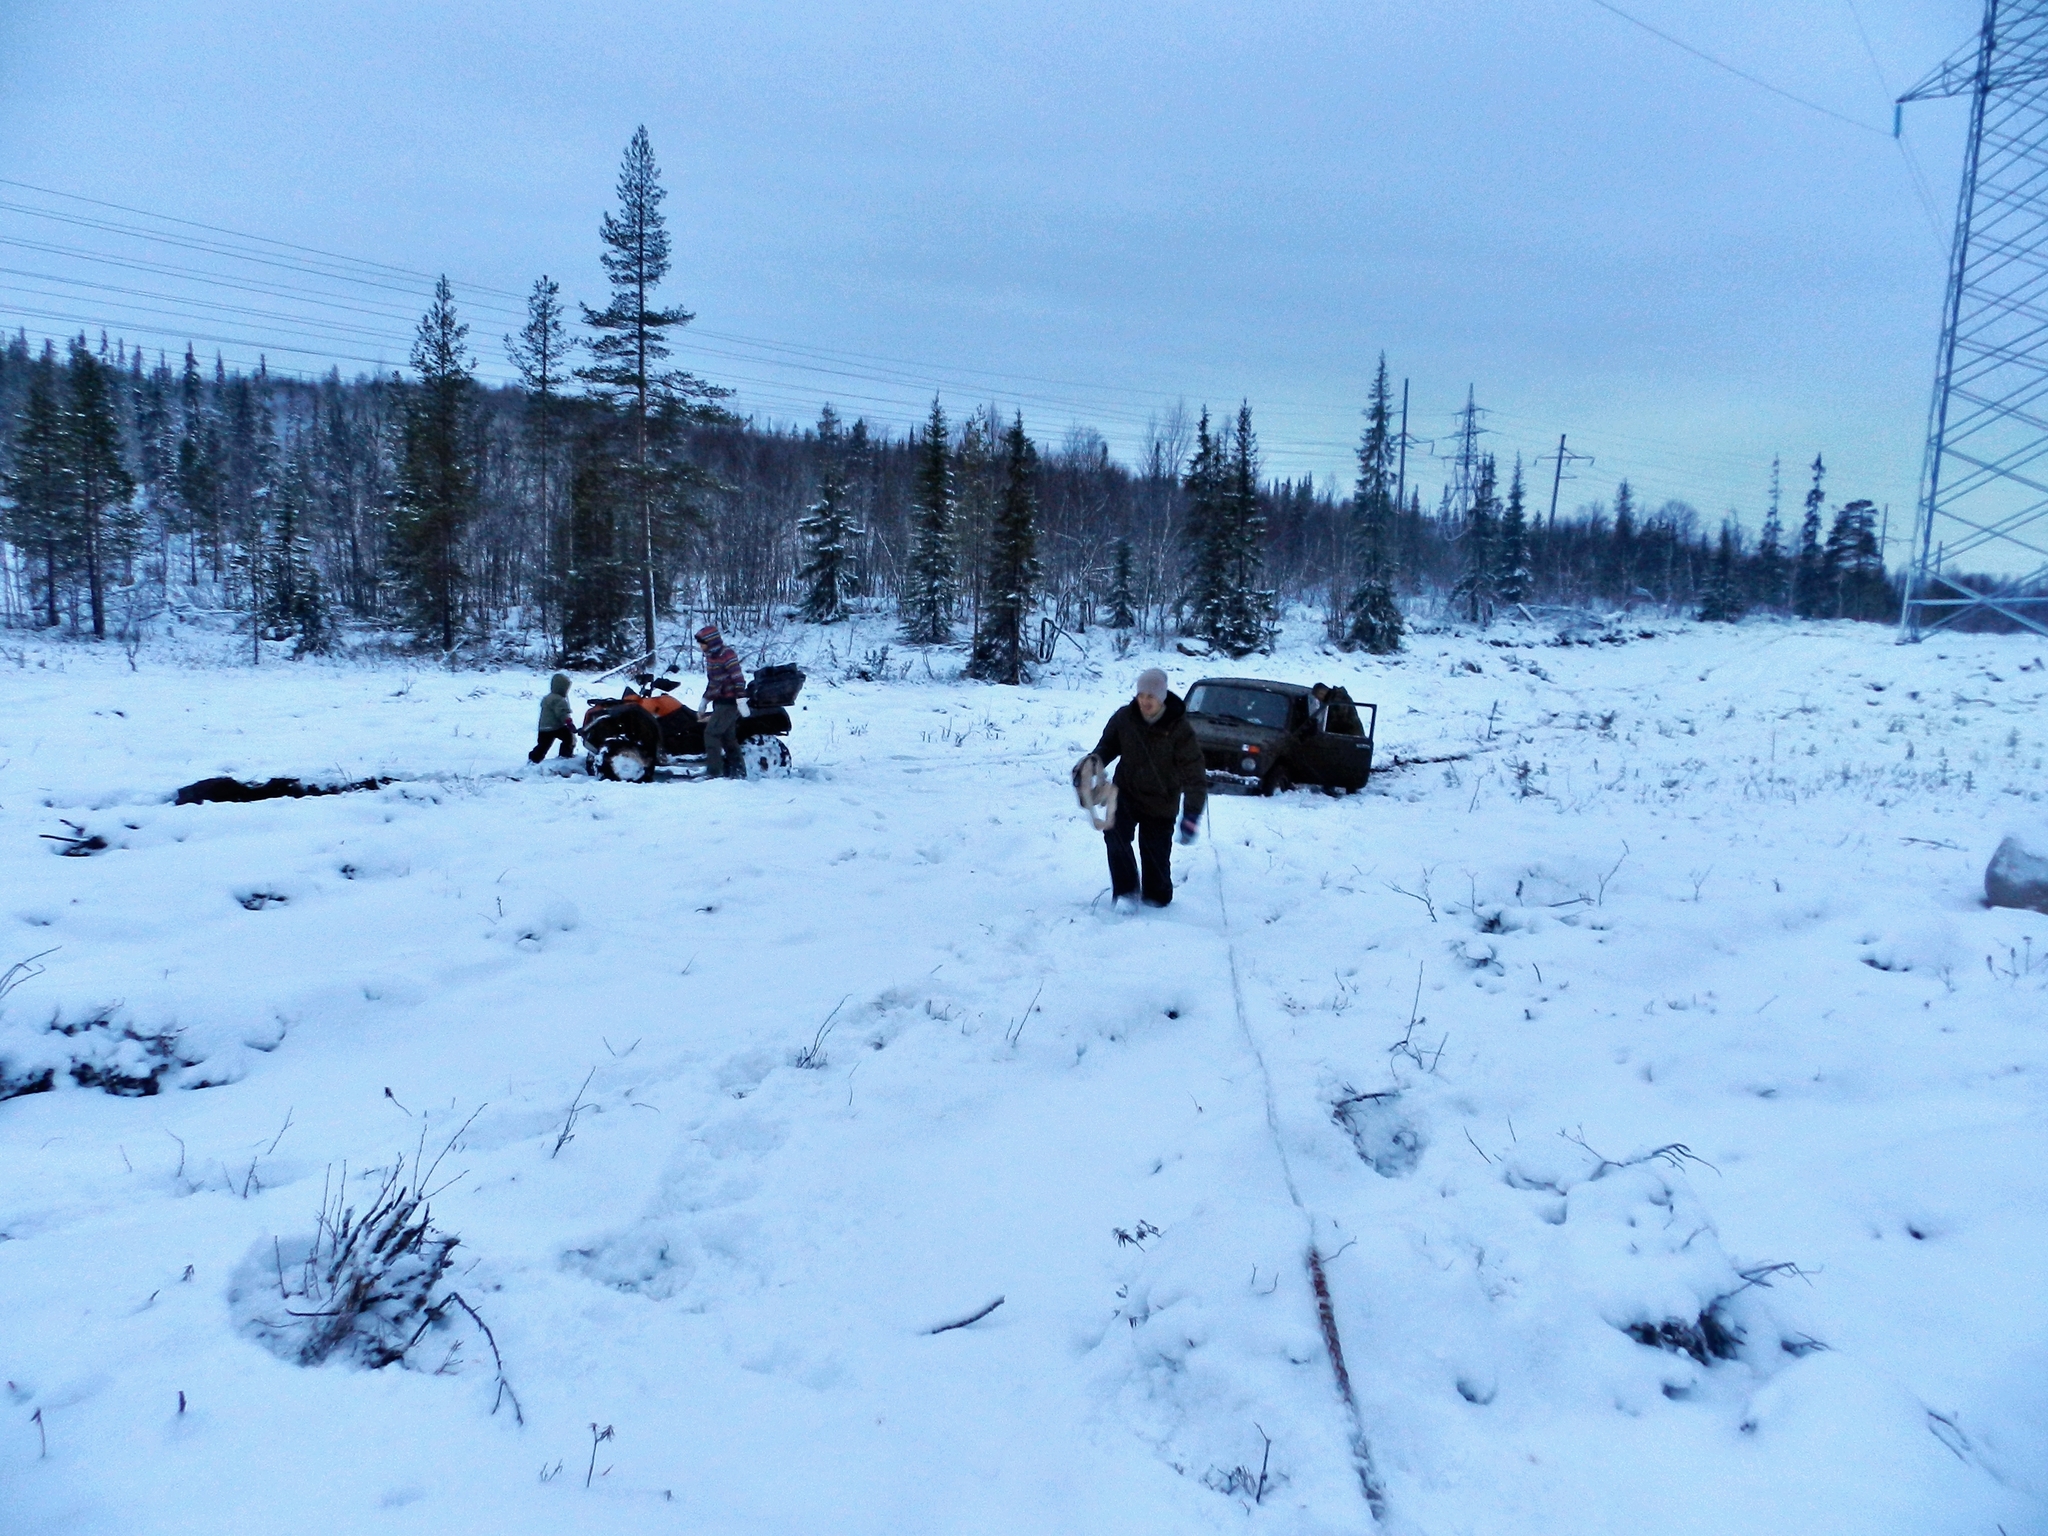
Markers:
932,584
1206,535
1619,566
1511,579
1013,570
38,485
1722,602
1247,610
596,585
1372,618
101,487
828,532
200,472
1475,587
1769,565
1123,597
1809,595
540,352
437,472
630,346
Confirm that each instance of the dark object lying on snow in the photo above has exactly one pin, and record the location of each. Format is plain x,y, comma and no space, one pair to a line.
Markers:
2017,875
236,792
627,736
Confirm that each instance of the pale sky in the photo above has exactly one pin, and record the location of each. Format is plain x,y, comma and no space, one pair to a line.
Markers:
1083,212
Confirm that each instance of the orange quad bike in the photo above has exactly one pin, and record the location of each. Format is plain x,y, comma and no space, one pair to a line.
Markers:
630,737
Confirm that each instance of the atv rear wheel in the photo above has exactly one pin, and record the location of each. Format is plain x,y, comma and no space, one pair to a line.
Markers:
625,762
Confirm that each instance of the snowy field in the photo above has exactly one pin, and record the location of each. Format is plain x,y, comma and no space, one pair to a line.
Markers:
1663,998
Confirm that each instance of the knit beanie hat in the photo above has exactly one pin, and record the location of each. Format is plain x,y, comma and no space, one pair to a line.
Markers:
709,635
1153,681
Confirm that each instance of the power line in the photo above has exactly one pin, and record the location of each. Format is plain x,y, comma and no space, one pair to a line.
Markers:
1735,70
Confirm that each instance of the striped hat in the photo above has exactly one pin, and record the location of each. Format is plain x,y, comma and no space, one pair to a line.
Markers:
709,635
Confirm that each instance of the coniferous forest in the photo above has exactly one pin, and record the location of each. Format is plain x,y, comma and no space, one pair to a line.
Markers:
609,490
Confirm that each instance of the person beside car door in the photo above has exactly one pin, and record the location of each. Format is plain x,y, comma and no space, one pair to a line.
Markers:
1158,772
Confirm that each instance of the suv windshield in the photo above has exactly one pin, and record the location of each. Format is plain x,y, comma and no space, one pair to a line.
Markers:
1248,706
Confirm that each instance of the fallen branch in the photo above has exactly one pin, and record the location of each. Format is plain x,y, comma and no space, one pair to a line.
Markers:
970,1319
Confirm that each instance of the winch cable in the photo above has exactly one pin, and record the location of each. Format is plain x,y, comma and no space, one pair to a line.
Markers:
1326,1316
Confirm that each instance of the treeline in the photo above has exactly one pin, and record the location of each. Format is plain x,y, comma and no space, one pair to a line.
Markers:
608,491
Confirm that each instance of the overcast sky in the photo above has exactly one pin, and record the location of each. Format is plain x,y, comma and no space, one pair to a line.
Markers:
1082,211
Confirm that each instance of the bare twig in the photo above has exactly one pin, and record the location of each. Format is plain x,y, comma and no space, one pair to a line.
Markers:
813,1055
280,1133
505,1392
1016,1031
1675,1154
42,1437
1259,1497
1423,896
1600,900
576,1107
24,970
597,1438
971,1318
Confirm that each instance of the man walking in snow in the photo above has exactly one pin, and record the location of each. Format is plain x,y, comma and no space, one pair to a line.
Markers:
724,686
1158,772
554,720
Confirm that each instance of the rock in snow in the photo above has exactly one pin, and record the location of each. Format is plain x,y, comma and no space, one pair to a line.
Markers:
2017,875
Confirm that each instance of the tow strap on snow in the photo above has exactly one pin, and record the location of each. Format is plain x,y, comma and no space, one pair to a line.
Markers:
1326,1315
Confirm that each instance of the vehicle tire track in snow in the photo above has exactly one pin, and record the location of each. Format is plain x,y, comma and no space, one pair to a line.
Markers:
1326,1317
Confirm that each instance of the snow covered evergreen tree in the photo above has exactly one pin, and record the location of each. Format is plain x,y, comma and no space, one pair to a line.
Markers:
1204,535
1809,591
1122,596
828,532
1373,618
1475,587
1722,602
1013,568
1511,580
1768,581
1248,608
436,472
1618,567
932,584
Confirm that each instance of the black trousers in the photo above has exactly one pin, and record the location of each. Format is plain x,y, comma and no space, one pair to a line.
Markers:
561,733
1155,844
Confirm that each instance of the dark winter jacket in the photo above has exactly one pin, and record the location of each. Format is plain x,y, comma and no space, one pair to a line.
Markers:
723,678
1157,763
554,708
1340,714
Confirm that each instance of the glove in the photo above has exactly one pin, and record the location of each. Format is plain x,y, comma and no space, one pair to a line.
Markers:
1188,827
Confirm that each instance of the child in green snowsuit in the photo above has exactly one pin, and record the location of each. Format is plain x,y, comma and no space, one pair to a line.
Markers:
554,720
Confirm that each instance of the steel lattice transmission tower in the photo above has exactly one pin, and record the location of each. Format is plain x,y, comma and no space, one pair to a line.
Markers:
1980,536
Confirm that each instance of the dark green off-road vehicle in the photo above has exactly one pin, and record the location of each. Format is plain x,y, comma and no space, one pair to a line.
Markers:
1262,735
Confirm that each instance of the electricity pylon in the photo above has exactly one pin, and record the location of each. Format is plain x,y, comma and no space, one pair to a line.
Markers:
1980,534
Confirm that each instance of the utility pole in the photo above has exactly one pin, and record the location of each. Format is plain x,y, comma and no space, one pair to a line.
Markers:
1401,478
1563,456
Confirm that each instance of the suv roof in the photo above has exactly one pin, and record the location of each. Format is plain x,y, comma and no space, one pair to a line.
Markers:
1294,690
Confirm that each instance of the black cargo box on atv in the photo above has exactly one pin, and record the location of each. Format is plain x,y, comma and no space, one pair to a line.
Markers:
775,687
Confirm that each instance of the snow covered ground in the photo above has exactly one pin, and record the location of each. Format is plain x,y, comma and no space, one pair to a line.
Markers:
1666,1000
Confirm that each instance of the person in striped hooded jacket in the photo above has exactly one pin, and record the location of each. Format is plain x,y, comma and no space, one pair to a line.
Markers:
725,686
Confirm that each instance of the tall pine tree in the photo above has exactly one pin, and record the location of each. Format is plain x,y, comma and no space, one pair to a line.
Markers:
1511,578
630,347
101,487
932,587
1475,587
1768,581
1123,596
540,352
437,472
